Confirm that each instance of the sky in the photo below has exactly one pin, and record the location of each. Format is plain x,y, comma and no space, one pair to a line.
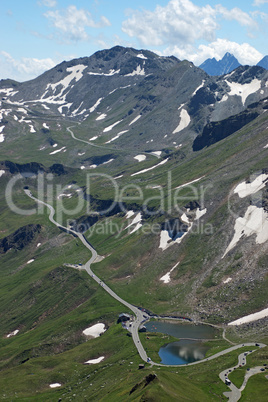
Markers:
38,34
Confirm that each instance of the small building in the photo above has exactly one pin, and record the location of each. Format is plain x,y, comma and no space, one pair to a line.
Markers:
142,329
123,317
141,366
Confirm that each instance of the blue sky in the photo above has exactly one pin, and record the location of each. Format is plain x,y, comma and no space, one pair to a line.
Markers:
38,34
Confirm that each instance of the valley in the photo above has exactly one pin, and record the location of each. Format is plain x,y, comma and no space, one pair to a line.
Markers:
131,181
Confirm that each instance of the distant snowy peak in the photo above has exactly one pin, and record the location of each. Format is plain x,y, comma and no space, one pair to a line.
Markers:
224,66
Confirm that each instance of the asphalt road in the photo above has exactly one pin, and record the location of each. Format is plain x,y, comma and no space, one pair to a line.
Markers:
105,147
235,393
141,316
134,329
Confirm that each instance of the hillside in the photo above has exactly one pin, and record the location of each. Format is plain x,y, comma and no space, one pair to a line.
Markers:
164,169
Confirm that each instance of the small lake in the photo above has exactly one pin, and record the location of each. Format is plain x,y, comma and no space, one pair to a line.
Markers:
184,350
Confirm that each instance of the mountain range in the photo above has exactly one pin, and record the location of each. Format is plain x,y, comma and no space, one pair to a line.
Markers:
226,65
175,96
163,168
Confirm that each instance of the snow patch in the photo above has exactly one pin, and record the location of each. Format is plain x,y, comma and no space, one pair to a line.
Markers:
136,220
250,317
141,56
184,122
223,99
166,278
32,130
165,240
55,385
137,227
151,168
134,120
117,136
200,213
94,107
95,361
111,72
45,106
244,189
95,330
140,158
227,280
255,221
190,182
2,138
138,71
109,161
46,126
93,138
244,90
200,86
13,333
109,128
75,74
22,110
57,150
30,261
156,153
102,116
2,172
129,214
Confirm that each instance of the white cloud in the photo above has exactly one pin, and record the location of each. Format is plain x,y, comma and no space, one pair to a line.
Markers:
182,23
238,15
244,53
73,22
179,21
23,69
258,3
48,3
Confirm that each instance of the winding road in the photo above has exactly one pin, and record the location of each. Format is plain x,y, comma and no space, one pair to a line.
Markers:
142,316
105,147
235,393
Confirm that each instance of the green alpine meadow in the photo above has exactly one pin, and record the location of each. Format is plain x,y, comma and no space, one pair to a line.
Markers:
134,231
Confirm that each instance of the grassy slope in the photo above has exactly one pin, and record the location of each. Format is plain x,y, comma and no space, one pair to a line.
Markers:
51,304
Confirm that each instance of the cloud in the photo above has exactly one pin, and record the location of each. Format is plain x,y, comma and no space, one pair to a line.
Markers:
245,53
179,21
72,22
48,3
238,15
23,69
258,3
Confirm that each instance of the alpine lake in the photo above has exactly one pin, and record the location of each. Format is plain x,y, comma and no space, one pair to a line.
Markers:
190,346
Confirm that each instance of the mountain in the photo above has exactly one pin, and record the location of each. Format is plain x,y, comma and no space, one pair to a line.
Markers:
123,90
224,66
163,170
263,62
